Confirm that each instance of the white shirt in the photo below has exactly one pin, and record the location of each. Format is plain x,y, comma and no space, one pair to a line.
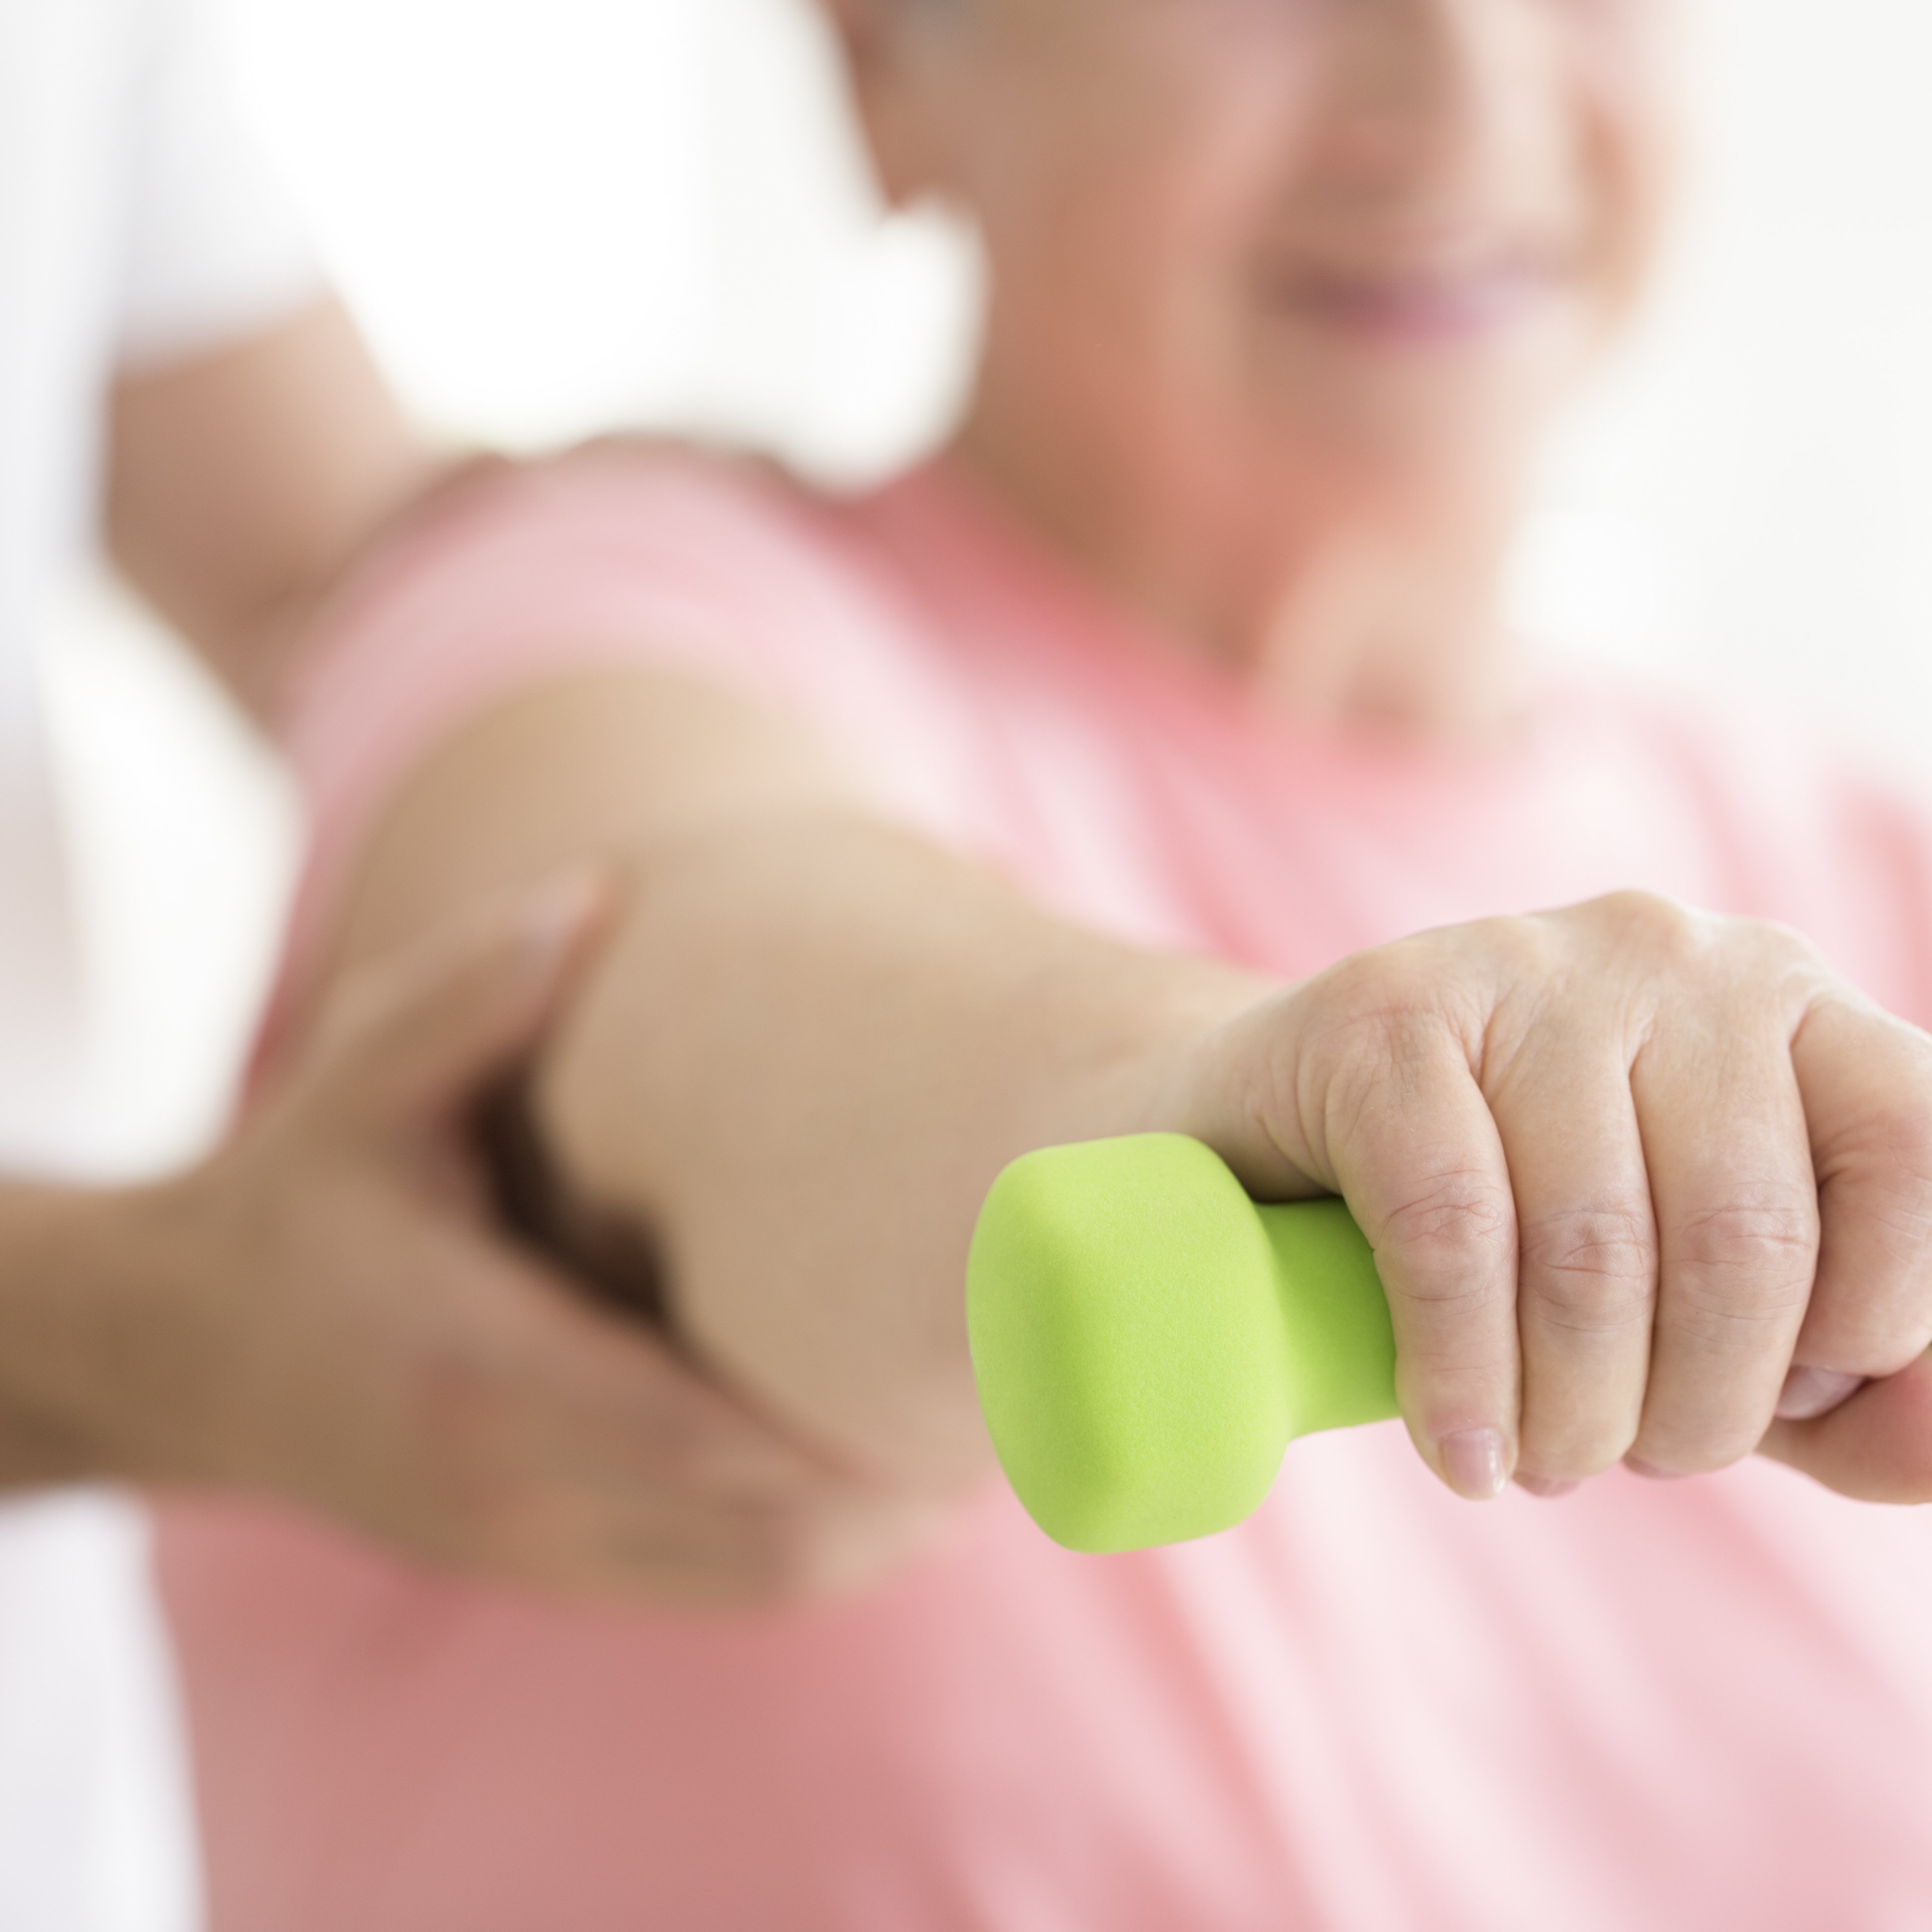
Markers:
135,226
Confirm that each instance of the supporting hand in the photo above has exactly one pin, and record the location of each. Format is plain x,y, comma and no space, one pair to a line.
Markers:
323,1312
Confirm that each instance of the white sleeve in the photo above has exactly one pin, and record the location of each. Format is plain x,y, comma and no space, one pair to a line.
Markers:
215,250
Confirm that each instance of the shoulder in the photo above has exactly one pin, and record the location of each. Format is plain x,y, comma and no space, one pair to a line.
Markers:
653,556
620,515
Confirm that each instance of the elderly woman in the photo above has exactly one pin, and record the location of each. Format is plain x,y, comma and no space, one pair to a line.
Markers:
1091,781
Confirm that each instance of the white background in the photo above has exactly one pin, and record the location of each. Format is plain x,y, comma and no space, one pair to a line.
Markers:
557,215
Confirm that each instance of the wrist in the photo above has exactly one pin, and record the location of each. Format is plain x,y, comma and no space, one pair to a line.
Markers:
55,1293
97,1287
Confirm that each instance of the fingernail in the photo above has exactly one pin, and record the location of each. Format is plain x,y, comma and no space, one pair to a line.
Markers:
1475,1464
1811,1393
1651,1473
1547,1486
553,915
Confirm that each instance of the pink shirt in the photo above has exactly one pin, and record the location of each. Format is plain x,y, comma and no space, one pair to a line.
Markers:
1698,1706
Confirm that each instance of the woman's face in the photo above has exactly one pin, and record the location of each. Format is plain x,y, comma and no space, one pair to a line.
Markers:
1370,237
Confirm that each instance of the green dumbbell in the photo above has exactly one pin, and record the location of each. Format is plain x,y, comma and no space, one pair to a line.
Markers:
1147,1341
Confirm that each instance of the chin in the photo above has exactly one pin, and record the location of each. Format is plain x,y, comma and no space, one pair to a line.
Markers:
1461,418
1403,455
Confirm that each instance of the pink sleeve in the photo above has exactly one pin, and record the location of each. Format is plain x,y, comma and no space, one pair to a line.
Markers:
610,556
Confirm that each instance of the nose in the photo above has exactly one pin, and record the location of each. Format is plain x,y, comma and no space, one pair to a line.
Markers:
1427,87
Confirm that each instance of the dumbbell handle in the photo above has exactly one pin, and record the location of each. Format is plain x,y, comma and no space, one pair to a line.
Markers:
1148,1340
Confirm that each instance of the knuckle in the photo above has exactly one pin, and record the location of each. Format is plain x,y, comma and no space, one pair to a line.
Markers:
1374,1018
1879,1318
1532,946
1367,1067
1591,1271
1892,1181
707,1458
1450,1231
1749,1261
1901,1143
1400,993
465,1438
1382,1048
1777,946
1652,923
1680,942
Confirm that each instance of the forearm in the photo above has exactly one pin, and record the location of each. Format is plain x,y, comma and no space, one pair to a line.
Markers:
39,1441
807,1050
812,1046
242,484
95,1354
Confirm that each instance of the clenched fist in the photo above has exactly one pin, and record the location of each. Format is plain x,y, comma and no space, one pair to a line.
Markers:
1643,1185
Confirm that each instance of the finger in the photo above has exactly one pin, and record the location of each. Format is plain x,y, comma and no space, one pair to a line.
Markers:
622,1466
1418,1158
1587,1248
602,1404
642,1478
1877,1447
1866,1080
630,1414
669,1556
1736,1205
817,1554
587,1545
404,1040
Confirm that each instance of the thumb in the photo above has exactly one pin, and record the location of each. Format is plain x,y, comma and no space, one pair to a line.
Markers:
408,1040
1877,1447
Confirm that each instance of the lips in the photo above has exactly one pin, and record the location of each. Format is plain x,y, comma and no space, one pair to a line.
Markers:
1415,302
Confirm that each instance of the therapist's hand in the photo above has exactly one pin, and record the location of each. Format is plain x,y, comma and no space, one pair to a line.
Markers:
324,1313
1642,1185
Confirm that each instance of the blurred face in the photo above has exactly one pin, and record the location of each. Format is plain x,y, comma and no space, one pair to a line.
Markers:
1353,241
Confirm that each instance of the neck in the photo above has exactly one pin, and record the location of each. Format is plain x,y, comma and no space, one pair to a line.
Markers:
1354,608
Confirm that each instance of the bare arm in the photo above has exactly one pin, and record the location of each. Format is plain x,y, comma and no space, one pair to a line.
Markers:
322,1313
315,1312
812,1043
1627,1168
241,483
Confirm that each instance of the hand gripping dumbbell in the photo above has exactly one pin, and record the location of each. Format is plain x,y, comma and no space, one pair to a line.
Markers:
1148,1341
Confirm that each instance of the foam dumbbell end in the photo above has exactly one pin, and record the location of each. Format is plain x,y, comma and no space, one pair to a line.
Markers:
1147,1341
